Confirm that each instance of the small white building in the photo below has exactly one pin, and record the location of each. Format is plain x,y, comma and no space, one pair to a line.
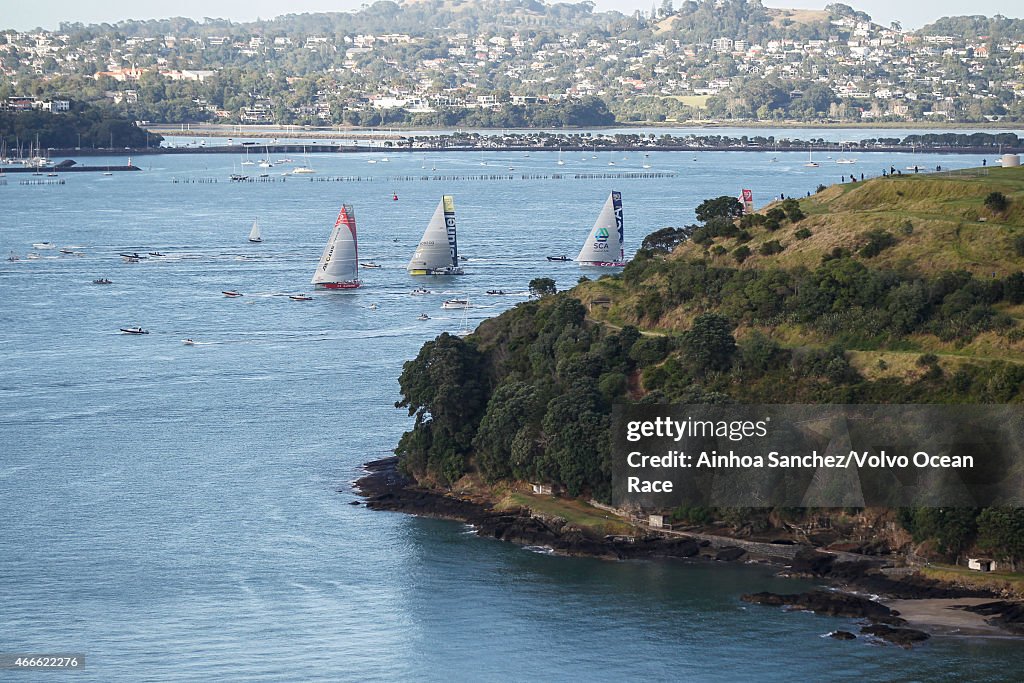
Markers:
542,489
981,564
657,522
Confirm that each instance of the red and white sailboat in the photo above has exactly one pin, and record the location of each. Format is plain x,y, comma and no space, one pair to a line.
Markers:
339,264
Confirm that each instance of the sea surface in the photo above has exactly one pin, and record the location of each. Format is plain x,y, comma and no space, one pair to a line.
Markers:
181,513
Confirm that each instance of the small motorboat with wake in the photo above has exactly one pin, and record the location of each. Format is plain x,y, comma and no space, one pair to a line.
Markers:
420,291
368,264
102,281
496,292
300,297
188,342
231,294
563,257
134,330
423,316
374,307
456,303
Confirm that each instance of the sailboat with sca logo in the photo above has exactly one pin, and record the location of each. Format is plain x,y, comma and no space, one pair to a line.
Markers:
339,264
604,245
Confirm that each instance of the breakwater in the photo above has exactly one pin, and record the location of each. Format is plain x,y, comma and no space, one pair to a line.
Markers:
69,169
500,177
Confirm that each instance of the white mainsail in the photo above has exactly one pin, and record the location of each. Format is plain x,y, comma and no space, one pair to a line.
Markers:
254,234
339,264
604,245
438,250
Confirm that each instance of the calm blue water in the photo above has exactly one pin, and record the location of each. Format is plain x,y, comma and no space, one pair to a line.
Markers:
173,512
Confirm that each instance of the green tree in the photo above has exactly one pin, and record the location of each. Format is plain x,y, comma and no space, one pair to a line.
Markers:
1001,532
444,388
542,286
720,207
709,344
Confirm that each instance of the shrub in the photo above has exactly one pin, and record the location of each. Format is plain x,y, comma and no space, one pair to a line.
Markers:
718,250
1018,245
771,225
776,214
821,188
877,242
907,228
927,360
802,234
795,215
743,236
771,248
997,202
741,253
836,254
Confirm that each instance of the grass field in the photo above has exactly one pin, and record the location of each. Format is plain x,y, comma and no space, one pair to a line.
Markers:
998,581
587,517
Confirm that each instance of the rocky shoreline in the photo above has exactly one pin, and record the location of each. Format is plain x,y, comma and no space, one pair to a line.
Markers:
385,488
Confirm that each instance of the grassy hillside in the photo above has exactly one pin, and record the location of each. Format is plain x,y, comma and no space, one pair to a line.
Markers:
949,226
936,225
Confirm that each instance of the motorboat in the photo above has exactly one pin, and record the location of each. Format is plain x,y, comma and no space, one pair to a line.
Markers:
300,297
102,281
420,291
563,257
368,264
188,342
496,292
423,316
230,293
374,307
134,330
155,253
456,303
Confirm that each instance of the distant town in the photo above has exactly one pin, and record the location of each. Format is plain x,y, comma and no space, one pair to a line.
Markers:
527,64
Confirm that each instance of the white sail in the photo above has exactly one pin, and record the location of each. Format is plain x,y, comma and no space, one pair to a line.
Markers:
438,250
339,264
254,234
604,245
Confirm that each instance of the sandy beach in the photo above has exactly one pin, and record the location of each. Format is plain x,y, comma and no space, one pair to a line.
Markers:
942,617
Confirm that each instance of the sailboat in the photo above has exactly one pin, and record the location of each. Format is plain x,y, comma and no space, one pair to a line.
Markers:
305,168
266,163
604,245
254,234
438,251
339,264
811,163
843,159
560,161
248,161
